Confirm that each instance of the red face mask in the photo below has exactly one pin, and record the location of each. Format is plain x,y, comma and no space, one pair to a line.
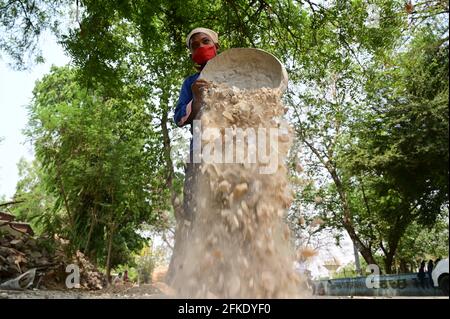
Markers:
204,54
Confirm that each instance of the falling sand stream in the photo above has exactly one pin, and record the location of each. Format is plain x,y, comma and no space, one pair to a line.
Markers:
239,245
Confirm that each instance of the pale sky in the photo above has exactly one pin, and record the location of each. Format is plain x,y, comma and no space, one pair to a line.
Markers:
15,93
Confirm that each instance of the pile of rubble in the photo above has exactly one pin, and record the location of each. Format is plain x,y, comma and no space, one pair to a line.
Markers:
17,255
43,261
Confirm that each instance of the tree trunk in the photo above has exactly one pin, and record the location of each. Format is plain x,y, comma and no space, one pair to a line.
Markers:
396,233
393,245
181,230
347,220
388,263
365,251
108,258
404,268
91,228
176,260
63,193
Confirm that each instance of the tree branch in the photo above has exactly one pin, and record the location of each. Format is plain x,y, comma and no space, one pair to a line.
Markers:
12,203
366,202
8,4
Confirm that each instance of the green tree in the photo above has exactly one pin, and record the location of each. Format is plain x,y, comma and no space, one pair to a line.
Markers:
332,108
22,24
34,204
421,243
102,171
402,148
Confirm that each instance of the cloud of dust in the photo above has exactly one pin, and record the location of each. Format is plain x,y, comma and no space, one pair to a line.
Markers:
239,245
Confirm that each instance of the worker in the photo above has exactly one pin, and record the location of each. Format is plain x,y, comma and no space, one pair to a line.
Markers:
118,280
203,44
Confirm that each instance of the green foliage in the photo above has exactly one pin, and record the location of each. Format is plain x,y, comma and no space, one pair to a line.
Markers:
384,147
36,205
423,243
349,270
146,262
97,164
23,23
402,149
141,266
407,134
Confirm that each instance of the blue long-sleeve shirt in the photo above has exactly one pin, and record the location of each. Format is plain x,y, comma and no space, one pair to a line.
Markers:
184,99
